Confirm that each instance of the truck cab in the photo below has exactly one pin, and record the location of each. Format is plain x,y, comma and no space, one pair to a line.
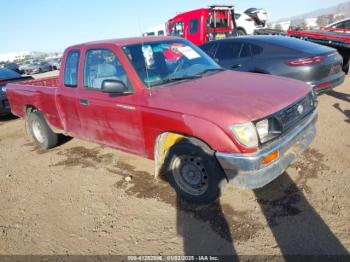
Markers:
205,24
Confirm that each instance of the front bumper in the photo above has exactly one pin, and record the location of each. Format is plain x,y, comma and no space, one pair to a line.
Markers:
247,171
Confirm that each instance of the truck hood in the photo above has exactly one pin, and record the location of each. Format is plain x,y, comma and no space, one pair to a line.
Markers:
229,96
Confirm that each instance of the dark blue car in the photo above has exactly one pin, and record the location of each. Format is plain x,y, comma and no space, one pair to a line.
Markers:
317,65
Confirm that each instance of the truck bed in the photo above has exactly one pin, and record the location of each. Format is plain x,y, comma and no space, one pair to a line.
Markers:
39,93
46,82
329,38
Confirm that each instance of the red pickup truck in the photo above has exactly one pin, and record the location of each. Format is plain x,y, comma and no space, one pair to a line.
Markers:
165,99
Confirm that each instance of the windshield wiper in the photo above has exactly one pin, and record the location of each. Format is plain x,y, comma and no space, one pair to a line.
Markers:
174,79
210,70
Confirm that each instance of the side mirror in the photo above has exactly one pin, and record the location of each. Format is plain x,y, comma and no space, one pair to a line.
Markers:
113,86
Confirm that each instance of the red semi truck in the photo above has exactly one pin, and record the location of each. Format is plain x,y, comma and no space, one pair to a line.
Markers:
165,99
204,24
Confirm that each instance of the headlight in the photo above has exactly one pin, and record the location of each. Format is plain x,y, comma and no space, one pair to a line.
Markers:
3,89
245,134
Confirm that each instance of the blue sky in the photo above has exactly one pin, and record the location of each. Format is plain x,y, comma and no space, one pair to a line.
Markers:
48,25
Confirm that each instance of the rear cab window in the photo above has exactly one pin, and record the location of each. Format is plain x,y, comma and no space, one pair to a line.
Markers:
71,69
100,65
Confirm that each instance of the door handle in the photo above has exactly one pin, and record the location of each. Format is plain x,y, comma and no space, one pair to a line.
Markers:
236,66
84,102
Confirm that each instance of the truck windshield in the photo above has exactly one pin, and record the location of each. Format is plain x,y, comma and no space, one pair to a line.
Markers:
163,62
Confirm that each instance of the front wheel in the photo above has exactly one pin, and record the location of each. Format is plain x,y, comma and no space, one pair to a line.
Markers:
194,173
42,134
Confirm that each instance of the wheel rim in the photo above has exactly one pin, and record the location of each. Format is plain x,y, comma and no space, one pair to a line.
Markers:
190,174
37,131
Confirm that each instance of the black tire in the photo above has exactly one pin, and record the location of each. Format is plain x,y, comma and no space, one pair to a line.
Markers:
36,123
241,32
187,160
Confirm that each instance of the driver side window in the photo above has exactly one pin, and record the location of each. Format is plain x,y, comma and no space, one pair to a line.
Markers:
102,64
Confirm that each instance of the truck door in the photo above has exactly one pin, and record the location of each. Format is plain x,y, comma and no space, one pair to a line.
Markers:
110,119
67,94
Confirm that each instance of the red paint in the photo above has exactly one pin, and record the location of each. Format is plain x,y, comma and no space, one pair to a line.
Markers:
323,85
202,15
203,108
323,35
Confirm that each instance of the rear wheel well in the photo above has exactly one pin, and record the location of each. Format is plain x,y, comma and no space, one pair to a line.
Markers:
27,110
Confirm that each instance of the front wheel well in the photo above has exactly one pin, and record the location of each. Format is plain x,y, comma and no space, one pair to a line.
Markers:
165,141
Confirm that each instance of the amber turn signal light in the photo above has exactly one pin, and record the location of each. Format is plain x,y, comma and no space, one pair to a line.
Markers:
270,157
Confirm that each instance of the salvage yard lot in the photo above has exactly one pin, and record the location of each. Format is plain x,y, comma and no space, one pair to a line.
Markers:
82,198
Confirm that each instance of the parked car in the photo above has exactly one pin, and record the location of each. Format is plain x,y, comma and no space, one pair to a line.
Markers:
342,26
38,67
55,63
245,24
23,67
250,20
12,66
259,15
7,76
163,98
319,66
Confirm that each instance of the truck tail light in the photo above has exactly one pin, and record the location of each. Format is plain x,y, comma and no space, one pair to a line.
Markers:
305,61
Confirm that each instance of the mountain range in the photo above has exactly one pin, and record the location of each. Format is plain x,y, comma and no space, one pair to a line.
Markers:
343,8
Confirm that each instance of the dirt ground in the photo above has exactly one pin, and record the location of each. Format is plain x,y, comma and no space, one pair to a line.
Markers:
82,198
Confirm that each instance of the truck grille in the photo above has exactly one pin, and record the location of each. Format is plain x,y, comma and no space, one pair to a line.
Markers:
293,114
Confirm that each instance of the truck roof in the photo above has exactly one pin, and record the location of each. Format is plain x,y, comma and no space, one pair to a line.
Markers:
127,41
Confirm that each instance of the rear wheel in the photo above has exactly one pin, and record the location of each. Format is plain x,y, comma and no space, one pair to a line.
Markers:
40,131
194,172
